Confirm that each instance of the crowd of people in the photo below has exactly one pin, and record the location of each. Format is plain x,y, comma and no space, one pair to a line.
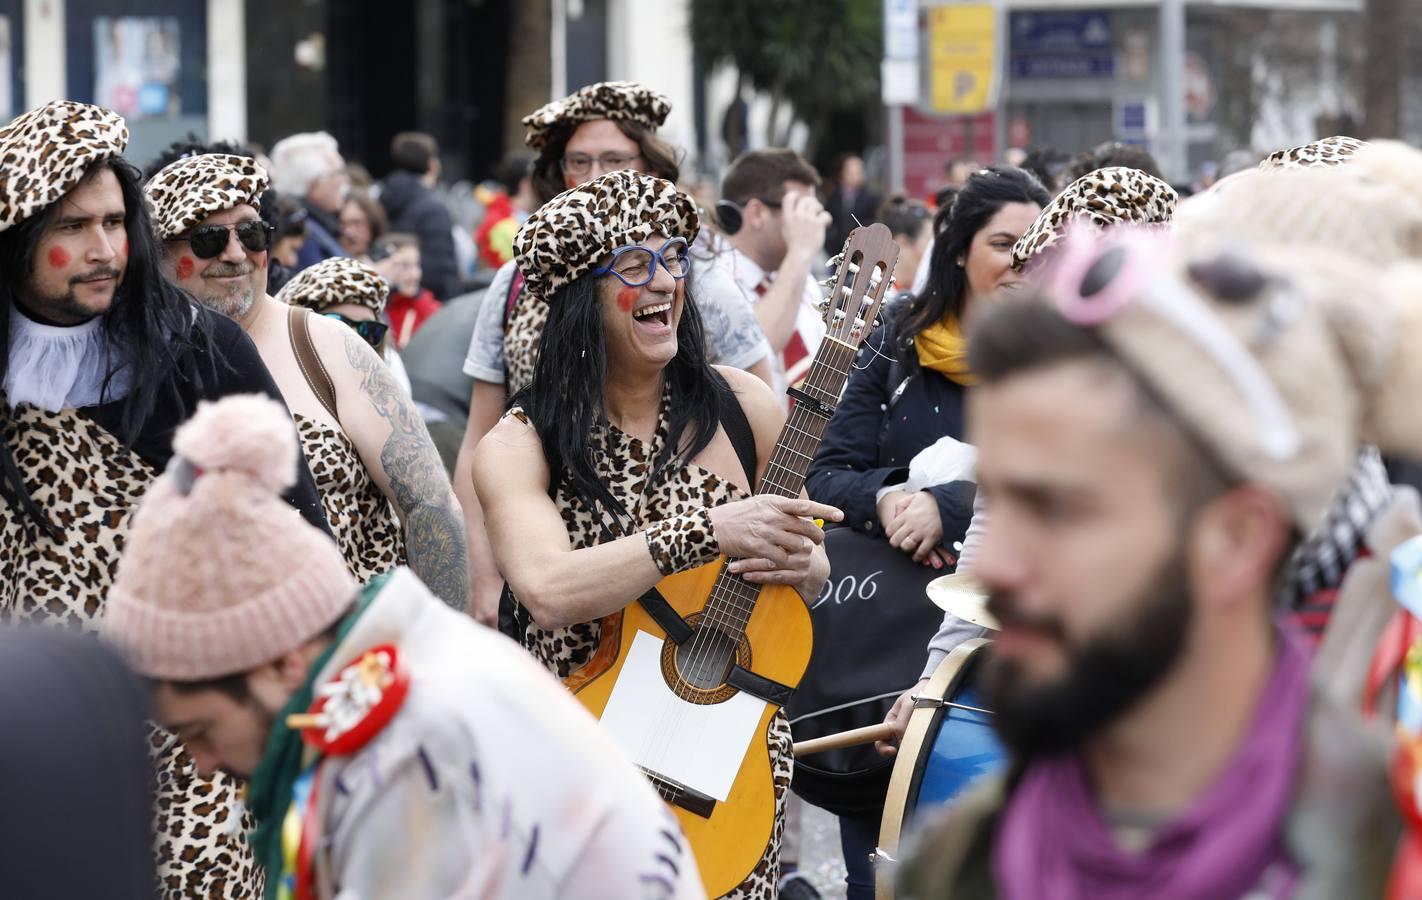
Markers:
1164,432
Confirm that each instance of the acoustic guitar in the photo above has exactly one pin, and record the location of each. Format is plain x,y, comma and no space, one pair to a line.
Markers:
688,678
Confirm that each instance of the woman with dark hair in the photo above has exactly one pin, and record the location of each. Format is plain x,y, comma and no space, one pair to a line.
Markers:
101,358
907,392
628,457
363,223
908,389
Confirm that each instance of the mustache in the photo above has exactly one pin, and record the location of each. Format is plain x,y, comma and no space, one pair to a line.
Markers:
228,270
95,275
1009,614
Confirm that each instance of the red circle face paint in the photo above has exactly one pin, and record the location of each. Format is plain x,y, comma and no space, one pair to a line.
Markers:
124,251
58,257
186,267
626,299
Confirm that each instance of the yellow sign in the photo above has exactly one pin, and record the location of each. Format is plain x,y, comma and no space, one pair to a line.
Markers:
961,44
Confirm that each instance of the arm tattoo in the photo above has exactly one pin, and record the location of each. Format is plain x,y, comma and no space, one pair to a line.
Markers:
434,530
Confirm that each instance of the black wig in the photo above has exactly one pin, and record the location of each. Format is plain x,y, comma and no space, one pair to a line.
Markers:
565,405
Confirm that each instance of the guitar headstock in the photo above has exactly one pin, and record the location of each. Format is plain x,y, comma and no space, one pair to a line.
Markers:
863,271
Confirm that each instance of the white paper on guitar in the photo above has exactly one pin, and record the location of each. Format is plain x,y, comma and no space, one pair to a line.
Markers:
698,746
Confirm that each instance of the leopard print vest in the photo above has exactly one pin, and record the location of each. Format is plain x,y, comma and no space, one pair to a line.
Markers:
365,525
624,464
89,486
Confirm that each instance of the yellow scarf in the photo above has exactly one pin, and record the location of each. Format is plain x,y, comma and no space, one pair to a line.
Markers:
943,348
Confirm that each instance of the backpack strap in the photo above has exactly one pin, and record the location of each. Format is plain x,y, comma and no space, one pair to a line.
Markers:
309,361
738,429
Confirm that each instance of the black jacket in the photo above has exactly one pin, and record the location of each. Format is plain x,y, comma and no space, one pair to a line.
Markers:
865,208
888,414
415,209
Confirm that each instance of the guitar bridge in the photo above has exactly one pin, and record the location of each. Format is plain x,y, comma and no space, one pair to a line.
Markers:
677,794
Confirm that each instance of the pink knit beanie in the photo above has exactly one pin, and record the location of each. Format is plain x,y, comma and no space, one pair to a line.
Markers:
220,575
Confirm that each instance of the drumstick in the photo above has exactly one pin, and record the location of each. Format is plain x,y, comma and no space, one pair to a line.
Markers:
852,738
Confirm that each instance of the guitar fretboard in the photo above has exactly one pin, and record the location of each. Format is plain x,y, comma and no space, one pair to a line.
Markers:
732,598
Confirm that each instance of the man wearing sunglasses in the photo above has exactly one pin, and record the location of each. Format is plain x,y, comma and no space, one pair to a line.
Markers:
359,429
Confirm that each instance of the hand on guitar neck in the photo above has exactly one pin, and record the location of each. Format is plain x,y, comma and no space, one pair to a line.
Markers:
772,539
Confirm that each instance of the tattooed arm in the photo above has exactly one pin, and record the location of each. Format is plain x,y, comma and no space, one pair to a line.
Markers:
381,419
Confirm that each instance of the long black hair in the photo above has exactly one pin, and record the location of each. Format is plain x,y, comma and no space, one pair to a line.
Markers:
150,324
565,404
981,197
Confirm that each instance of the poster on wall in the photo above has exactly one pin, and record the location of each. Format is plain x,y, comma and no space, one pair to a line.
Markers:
136,65
7,86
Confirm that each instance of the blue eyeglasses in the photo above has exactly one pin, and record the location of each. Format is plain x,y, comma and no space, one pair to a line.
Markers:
636,265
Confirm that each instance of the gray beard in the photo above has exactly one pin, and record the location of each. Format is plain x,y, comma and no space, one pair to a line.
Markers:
234,305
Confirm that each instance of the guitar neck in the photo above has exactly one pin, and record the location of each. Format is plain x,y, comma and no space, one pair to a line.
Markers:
805,427
733,598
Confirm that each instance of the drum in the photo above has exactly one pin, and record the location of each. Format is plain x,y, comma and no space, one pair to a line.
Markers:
948,744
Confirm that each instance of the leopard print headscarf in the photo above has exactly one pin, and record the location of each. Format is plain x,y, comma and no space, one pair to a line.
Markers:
572,233
186,192
1329,151
1103,198
337,280
45,153
625,100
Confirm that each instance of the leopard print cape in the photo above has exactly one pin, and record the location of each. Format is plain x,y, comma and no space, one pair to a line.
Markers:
89,485
624,463
362,520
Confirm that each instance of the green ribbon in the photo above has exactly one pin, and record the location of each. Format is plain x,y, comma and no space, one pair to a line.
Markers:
269,791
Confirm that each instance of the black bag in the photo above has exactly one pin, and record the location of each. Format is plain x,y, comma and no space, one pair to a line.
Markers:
873,622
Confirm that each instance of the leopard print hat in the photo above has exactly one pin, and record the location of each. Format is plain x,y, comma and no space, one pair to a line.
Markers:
617,100
191,189
1329,151
45,152
1106,197
337,280
572,233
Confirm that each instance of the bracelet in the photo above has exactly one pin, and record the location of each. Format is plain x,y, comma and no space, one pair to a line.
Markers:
682,542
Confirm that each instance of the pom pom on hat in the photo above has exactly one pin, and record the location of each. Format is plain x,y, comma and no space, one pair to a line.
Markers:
221,575
250,434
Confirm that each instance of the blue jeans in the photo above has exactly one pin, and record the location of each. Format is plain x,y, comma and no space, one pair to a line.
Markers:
858,837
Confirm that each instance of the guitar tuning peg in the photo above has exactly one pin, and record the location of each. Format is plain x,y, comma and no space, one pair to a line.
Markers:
827,283
835,260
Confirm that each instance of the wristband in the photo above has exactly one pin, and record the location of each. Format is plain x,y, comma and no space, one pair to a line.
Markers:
682,542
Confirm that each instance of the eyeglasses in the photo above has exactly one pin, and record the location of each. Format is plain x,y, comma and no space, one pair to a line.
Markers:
581,163
209,241
370,331
636,265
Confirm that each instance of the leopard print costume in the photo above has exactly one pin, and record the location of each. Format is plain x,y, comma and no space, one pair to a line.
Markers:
89,485
1329,151
521,337
1102,198
623,465
333,281
46,151
363,521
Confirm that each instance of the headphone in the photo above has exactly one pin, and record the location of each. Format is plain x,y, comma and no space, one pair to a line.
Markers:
729,214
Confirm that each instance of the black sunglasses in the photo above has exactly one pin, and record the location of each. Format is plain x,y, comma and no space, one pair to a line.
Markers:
209,241
370,331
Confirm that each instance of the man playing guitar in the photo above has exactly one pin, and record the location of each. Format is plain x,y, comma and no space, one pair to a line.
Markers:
629,457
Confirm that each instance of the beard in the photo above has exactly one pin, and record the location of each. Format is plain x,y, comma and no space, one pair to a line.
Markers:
233,302
1105,676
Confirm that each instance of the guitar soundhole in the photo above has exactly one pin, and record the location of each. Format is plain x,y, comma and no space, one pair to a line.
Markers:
696,669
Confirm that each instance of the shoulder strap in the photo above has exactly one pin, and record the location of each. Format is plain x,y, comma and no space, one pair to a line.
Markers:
515,288
738,429
312,369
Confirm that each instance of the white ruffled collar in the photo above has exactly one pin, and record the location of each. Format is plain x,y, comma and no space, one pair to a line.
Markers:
55,367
